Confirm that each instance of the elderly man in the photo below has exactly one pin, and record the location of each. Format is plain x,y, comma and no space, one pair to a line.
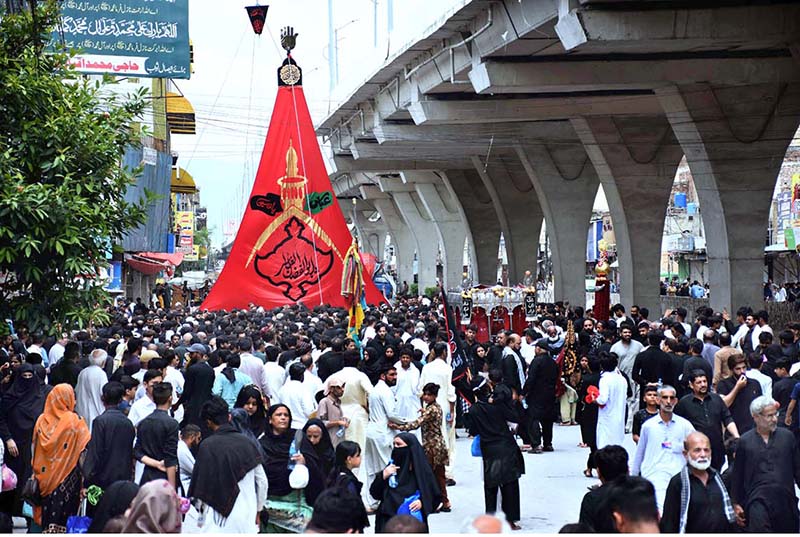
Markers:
697,500
765,473
659,453
89,390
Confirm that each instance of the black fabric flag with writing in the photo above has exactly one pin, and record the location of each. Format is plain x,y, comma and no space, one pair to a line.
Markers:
459,359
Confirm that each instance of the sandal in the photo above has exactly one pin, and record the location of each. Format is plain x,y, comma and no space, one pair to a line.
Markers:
588,473
582,445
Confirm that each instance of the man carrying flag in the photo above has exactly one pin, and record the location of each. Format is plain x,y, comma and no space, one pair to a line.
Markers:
453,378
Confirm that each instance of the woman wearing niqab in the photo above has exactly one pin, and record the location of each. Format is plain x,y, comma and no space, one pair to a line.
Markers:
414,476
20,407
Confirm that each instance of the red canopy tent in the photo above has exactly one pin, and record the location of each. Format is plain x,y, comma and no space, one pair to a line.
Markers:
293,238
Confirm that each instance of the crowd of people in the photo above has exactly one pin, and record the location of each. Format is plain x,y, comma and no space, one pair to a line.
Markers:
178,420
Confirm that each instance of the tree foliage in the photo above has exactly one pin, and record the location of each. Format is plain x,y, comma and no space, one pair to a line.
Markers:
62,184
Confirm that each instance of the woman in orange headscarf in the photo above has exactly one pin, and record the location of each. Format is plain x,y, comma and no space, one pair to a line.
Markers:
59,438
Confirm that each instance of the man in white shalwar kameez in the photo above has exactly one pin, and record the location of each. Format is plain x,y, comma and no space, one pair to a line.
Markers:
357,388
612,401
378,446
438,371
89,389
407,389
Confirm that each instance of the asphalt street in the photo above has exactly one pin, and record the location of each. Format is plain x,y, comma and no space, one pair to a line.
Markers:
551,489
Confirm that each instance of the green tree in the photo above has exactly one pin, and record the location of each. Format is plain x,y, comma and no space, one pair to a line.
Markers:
62,137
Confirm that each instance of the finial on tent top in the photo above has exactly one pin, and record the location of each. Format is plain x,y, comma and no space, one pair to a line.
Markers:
288,39
289,73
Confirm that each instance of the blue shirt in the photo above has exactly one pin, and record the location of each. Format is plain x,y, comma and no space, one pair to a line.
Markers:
230,391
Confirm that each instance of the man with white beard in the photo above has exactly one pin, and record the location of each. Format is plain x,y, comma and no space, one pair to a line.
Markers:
697,500
407,388
89,390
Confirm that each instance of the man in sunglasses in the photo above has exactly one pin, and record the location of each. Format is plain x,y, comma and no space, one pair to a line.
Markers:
659,454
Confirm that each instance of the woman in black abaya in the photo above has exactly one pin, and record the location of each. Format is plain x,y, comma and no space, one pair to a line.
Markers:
503,464
317,444
414,476
21,406
289,509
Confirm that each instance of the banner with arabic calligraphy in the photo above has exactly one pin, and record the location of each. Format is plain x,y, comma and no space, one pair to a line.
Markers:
292,241
127,37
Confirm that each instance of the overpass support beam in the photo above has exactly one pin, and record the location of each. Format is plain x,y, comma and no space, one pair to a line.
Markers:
451,229
425,232
636,160
403,240
518,210
735,140
482,220
566,184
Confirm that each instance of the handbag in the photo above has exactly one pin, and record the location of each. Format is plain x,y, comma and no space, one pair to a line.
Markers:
475,449
81,522
30,492
9,479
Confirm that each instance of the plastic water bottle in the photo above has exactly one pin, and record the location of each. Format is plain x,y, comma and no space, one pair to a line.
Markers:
292,453
340,431
393,477
448,417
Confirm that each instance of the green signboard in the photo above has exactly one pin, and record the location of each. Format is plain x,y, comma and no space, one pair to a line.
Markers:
138,38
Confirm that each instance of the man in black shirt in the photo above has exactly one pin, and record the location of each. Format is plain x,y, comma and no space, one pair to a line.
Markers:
766,470
650,395
709,509
738,391
708,414
157,439
696,361
612,463
652,365
109,455
332,361
67,369
782,389
199,380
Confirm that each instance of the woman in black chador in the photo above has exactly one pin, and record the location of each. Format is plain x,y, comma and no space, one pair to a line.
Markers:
414,477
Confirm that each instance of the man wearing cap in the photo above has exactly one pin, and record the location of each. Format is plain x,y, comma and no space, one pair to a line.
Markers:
197,388
329,411
144,360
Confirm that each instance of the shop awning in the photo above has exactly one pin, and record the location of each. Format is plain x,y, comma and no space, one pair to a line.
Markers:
180,115
153,262
182,181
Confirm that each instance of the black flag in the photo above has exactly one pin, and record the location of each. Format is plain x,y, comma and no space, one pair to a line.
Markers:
460,361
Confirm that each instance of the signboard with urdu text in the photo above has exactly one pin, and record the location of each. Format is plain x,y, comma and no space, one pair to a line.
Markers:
138,38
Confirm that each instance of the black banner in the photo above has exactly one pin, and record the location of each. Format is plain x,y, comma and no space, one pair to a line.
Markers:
530,306
466,311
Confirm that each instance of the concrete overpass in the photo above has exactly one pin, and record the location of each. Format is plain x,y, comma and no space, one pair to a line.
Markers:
510,112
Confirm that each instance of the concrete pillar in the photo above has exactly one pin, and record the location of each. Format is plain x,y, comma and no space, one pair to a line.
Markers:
735,140
635,159
425,232
518,210
372,237
402,238
482,221
451,228
566,184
